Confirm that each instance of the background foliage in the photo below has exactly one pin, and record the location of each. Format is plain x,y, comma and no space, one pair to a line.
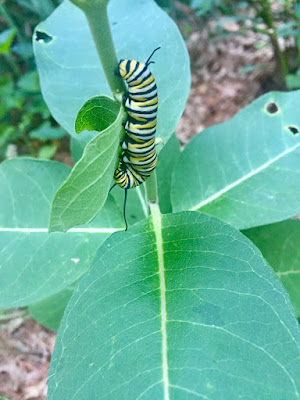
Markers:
181,304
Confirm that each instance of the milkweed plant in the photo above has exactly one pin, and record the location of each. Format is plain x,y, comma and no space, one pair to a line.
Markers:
199,297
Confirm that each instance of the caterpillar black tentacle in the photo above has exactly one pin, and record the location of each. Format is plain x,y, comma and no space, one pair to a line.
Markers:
139,158
148,61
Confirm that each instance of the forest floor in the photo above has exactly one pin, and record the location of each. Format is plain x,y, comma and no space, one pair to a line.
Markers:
221,86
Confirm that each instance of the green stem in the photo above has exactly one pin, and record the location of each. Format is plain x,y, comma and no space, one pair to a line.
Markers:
262,31
96,14
10,22
279,55
151,189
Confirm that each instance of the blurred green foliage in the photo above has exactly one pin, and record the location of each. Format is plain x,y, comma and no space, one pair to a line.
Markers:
25,121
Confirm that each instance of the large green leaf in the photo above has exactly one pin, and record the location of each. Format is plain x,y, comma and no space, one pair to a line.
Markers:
181,306
85,191
245,171
34,264
279,244
70,71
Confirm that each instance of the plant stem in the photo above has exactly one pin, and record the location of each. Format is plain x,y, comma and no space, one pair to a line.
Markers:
279,55
10,21
151,189
260,30
96,14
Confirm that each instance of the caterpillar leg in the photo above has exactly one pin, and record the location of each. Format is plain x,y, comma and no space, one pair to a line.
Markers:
159,140
112,187
124,209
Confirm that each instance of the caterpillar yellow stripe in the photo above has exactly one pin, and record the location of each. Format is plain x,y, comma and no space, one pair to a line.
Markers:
138,158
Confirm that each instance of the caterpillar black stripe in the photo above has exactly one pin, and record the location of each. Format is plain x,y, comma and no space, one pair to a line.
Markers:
138,158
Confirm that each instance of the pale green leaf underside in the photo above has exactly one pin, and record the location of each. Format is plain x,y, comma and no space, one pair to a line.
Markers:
33,263
245,171
70,71
181,307
279,244
85,191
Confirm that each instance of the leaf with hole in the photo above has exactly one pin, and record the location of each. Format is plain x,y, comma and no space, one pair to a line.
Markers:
279,244
179,306
33,264
69,78
245,171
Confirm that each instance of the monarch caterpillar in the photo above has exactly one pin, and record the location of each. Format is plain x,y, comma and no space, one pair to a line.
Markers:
138,158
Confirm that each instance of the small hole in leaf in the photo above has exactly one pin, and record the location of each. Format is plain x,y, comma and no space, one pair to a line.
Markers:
293,129
272,108
42,37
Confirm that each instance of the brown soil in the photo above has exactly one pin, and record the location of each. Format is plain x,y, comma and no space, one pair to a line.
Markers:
220,88
25,352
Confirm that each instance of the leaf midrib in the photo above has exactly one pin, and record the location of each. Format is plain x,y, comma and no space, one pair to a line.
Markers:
244,178
156,217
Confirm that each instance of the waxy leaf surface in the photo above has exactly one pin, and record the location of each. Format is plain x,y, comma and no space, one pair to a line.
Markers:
245,171
181,306
71,73
33,263
85,191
